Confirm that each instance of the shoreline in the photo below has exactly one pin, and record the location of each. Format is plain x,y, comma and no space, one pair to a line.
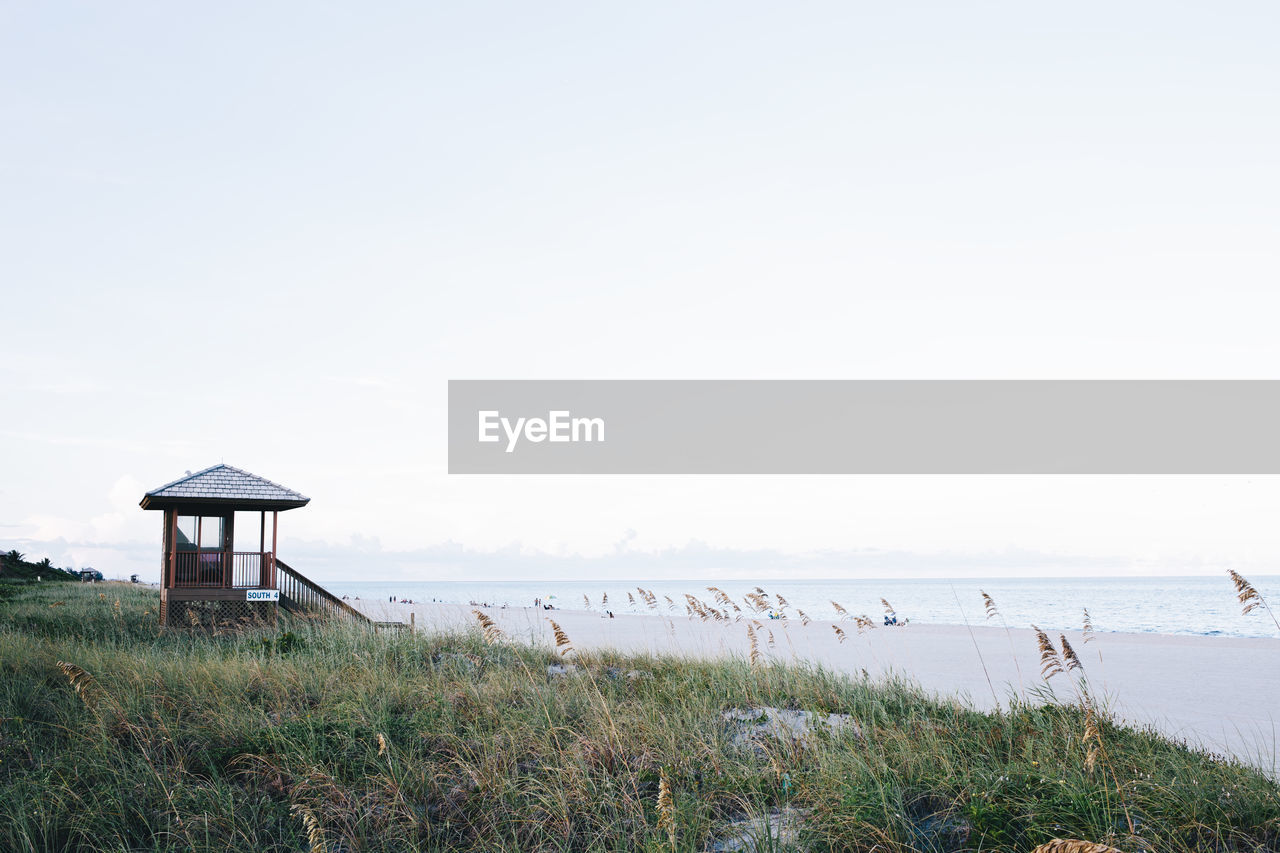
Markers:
1201,689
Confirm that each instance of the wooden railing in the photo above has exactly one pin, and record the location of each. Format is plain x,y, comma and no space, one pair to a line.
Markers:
224,570
297,592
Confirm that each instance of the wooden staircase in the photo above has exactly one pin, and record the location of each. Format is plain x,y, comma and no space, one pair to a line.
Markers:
299,594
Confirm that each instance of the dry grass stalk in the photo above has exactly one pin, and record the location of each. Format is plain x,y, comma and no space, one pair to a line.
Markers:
782,602
1069,654
804,617
492,633
315,834
863,622
1092,739
85,685
666,809
839,632
888,608
1062,845
604,600
696,606
1248,594
1250,598
756,658
770,639
671,605
1088,626
382,744
631,599
586,602
990,604
722,597
843,613
562,639
1050,663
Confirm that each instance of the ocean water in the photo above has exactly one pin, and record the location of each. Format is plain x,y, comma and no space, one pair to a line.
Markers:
1166,605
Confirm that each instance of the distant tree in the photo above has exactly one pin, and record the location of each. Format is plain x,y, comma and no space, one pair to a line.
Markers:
14,556
46,563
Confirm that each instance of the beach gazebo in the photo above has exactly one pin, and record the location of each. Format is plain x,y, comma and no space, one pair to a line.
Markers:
204,579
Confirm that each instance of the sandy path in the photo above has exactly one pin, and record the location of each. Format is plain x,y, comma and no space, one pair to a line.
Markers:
1222,693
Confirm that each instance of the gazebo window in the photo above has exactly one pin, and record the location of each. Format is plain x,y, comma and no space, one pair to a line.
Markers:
211,538
187,532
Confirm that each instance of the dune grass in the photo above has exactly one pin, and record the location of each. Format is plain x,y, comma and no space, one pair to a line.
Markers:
328,737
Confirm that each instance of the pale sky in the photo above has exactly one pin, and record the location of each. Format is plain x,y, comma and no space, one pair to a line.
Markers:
269,234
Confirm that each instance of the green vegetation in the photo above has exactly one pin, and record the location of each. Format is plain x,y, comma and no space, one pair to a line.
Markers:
115,735
15,567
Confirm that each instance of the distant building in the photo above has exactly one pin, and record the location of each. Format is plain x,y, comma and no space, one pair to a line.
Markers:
90,574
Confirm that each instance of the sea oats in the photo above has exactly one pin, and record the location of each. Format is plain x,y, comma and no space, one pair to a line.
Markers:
1092,739
1050,663
1249,596
85,685
562,639
1060,845
315,834
1069,654
666,809
492,633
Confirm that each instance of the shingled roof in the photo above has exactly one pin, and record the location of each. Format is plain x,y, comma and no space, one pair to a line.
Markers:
226,486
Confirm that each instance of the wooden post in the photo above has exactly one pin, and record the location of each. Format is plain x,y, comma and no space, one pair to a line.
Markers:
264,569
228,549
171,571
411,621
275,528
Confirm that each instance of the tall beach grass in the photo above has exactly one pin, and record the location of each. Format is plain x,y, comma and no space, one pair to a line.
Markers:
324,736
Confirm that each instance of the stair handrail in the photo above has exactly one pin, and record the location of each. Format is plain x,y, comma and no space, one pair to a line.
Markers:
320,592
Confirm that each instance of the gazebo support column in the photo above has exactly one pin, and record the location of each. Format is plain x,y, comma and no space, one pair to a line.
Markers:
275,523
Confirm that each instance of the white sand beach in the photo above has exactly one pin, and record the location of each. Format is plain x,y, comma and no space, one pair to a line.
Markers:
1221,693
